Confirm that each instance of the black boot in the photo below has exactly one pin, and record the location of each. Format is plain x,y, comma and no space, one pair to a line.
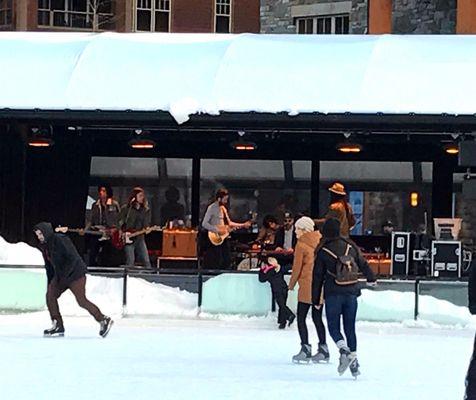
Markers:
106,325
291,319
56,330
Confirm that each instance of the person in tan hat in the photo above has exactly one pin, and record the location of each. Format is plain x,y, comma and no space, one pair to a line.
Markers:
340,209
303,265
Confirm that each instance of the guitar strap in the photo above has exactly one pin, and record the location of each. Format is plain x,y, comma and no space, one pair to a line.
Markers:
226,218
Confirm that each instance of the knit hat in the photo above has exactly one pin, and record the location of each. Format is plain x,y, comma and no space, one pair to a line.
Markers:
331,228
305,224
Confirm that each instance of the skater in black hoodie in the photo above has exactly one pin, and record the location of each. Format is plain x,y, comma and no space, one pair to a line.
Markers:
272,272
65,269
338,262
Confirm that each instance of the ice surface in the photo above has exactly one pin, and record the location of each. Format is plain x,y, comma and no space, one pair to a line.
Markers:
187,74
145,359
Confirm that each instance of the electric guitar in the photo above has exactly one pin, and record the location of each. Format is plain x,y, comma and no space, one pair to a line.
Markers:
218,238
119,239
104,233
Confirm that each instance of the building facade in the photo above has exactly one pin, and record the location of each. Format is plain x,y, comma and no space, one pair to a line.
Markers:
368,16
181,16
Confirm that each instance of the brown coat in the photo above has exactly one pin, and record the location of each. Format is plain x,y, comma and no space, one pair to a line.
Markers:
338,211
303,265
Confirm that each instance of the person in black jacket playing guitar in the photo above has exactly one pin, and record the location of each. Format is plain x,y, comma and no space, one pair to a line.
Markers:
135,216
65,269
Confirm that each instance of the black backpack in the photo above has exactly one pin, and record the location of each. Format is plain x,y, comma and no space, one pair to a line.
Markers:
347,271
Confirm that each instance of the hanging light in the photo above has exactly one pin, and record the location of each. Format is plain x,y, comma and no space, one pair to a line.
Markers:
241,145
414,197
349,148
142,143
452,149
40,142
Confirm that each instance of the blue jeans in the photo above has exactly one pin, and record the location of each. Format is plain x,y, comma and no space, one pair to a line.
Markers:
344,306
138,247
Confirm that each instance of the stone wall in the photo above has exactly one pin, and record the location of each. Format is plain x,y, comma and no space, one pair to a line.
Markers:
359,17
466,209
424,16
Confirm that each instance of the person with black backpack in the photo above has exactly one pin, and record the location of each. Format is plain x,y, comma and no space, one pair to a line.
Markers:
335,277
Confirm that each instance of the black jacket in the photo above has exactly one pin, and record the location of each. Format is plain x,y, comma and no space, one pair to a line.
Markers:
472,288
131,218
276,279
279,239
62,260
325,262
106,215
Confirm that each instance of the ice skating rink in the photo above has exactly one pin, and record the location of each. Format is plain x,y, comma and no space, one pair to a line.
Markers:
152,358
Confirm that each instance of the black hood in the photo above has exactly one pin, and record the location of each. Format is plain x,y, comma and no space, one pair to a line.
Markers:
331,229
46,228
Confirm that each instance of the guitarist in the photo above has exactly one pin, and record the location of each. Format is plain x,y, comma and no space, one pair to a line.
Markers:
216,220
134,216
104,214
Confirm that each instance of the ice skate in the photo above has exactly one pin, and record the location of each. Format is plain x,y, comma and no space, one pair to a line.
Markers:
57,330
355,368
322,354
304,356
282,325
346,358
106,325
291,319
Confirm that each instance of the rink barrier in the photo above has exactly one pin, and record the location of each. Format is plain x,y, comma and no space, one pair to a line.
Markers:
137,272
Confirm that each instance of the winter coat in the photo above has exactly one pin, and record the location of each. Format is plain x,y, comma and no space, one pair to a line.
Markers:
325,262
304,264
275,276
342,212
132,218
61,257
107,215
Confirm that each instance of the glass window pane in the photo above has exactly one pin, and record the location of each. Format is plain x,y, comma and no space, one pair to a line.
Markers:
167,182
161,21
143,20
301,26
222,24
328,25
309,26
257,186
320,25
339,27
346,25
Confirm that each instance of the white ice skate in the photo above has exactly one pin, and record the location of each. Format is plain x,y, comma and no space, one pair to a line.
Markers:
304,356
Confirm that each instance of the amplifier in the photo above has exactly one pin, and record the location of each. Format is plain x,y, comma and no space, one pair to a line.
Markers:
400,253
446,259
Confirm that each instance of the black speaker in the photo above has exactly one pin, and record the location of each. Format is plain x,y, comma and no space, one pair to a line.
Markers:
467,154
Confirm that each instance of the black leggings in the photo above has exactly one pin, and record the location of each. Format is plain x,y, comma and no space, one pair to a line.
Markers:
302,311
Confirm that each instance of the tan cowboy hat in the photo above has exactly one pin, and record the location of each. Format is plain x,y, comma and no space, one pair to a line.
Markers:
338,188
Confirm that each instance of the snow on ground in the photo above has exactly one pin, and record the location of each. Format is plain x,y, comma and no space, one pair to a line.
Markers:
211,359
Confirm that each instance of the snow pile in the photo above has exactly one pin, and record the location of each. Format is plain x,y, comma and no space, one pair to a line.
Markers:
393,306
143,298
19,254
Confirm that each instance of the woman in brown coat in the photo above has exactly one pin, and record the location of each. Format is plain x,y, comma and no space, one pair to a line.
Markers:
303,265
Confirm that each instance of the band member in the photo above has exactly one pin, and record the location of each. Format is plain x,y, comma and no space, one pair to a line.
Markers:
104,215
216,220
267,233
340,209
286,241
65,269
134,216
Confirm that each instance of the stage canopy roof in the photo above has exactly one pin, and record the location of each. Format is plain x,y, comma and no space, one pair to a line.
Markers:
187,74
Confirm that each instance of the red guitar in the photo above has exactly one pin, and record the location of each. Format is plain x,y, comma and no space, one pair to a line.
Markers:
120,238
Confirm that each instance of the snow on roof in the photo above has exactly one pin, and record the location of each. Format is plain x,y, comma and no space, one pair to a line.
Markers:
187,74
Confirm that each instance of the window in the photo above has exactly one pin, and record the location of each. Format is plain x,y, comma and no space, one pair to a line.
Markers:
153,15
222,16
5,12
331,24
380,192
79,14
166,181
257,186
